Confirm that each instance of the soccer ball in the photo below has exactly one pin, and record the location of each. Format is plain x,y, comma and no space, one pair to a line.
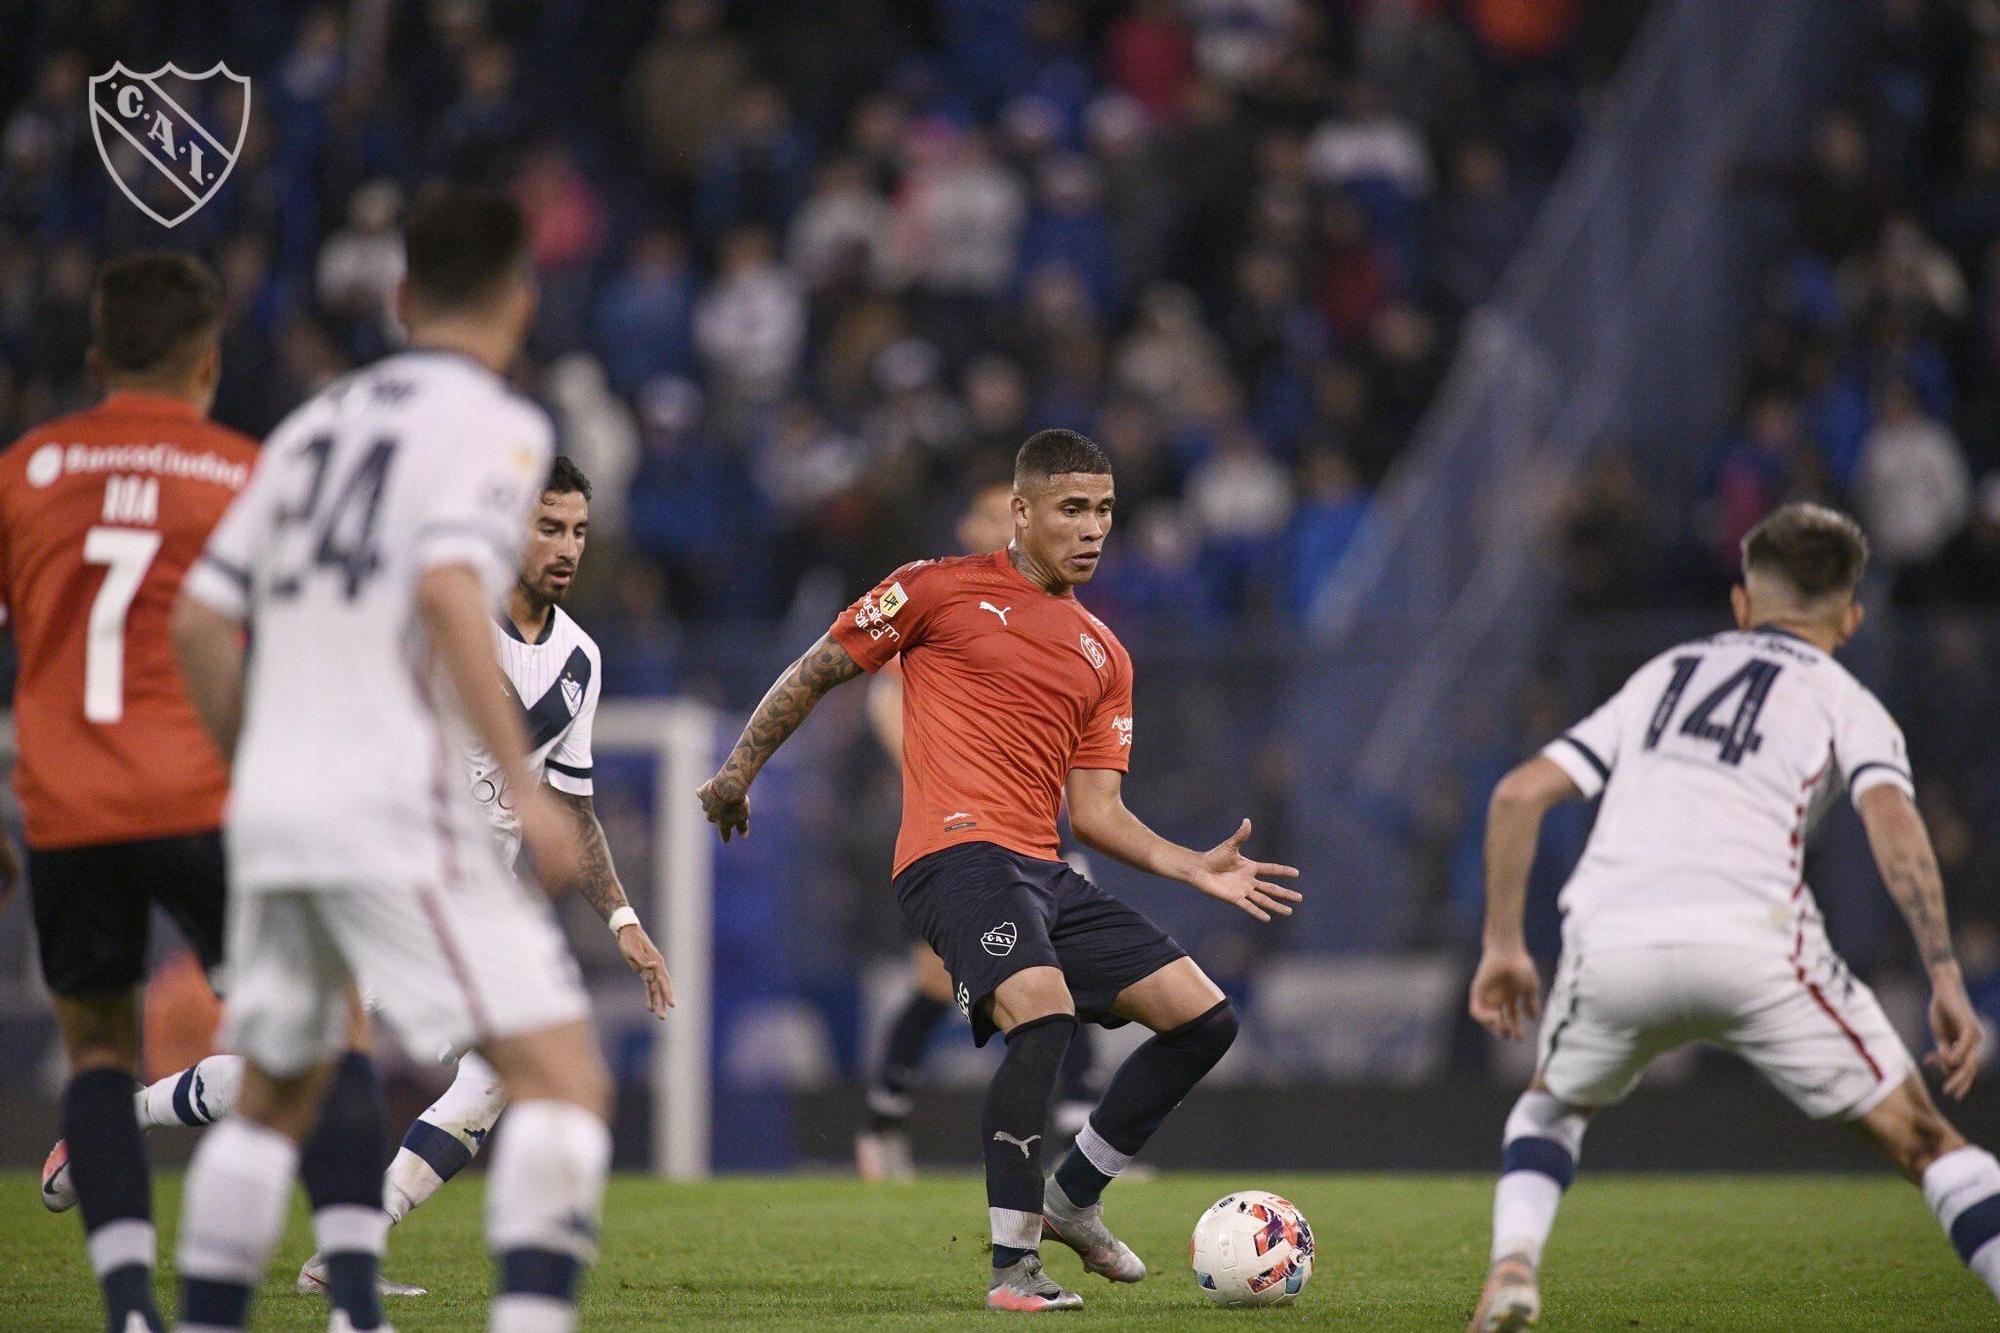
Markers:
1252,1248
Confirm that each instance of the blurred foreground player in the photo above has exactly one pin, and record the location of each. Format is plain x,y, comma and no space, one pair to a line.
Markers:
101,514
1012,691
382,526
547,658
1689,918
882,1148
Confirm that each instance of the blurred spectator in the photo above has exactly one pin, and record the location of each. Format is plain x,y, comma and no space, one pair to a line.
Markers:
750,325
1915,490
1331,508
682,86
646,312
840,239
755,168
1147,53
361,267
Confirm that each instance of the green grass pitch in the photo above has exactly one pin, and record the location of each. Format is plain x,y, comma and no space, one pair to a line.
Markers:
1395,1252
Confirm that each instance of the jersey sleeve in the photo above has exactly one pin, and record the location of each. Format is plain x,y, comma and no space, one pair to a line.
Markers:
1868,747
889,618
222,577
1107,734
479,502
569,765
1588,751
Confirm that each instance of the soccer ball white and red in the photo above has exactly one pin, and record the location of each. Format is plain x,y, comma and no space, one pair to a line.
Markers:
1252,1248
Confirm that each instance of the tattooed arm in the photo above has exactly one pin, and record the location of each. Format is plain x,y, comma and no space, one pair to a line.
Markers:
597,881
1909,868
725,798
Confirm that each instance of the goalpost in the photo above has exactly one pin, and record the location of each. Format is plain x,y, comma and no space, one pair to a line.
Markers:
680,737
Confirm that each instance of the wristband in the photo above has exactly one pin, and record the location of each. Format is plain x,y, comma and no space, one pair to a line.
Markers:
622,918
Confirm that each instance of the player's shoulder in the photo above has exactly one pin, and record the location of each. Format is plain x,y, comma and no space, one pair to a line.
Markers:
1107,635
568,631
935,580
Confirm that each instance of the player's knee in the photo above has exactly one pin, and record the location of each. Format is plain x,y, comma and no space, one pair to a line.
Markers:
99,1032
1544,1134
1210,1036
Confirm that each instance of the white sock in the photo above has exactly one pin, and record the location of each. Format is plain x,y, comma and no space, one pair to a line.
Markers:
1015,1229
1538,1159
543,1200
199,1095
238,1191
446,1137
1963,1189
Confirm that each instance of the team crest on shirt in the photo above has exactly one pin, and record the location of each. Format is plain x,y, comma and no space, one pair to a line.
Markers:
572,693
999,941
1093,650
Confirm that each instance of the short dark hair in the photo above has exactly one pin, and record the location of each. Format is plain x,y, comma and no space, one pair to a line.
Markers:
1819,552
1050,453
565,478
152,311
461,244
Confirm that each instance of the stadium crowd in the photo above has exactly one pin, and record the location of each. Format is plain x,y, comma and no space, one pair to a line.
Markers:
808,270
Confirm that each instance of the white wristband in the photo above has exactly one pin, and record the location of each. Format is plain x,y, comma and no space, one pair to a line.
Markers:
622,918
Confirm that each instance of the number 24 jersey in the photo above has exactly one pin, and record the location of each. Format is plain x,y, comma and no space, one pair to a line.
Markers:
1715,761
348,771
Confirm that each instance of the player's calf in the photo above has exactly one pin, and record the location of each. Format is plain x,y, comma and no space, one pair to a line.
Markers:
108,1171
542,1208
446,1137
341,1167
1011,1130
1961,1182
1538,1155
1153,1080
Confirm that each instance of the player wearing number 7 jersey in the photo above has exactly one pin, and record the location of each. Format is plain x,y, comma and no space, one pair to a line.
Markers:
101,514
1689,918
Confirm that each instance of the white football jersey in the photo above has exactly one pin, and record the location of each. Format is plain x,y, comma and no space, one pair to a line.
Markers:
349,771
1715,760
556,681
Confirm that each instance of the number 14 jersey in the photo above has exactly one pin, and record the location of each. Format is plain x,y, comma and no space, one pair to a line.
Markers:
348,772
1715,761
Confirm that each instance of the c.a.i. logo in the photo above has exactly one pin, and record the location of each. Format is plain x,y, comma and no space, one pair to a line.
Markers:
136,110
999,941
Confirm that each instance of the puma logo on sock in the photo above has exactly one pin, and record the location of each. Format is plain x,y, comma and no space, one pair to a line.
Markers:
1001,1136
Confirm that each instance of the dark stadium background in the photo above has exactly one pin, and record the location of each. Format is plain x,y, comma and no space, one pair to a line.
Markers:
1445,349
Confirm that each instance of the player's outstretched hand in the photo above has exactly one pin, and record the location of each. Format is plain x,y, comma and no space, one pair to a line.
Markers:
1955,1024
636,947
1227,874
548,832
726,803
1506,992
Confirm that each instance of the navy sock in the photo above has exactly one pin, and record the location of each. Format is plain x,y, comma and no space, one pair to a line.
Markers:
107,1163
341,1167
903,1060
1017,1113
1151,1083
1073,1084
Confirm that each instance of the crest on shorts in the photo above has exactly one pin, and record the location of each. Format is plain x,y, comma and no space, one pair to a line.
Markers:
144,134
999,941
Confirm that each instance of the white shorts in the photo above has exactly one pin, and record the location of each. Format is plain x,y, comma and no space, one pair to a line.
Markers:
449,969
1801,1019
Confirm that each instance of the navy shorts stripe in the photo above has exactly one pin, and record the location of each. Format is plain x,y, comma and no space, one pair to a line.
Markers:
1539,1154
1975,1226
440,1151
1590,755
539,1273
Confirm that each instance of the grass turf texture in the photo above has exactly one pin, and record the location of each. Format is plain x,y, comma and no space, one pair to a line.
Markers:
1395,1252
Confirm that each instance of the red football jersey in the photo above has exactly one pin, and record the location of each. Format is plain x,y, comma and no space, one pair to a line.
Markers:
101,513
1006,689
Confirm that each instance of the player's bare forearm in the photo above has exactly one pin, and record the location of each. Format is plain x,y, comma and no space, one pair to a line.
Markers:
1513,828
1100,820
597,878
453,606
209,647
1909,869
784,706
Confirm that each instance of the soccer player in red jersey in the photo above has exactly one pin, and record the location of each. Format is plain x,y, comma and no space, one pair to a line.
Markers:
1014,696
101,514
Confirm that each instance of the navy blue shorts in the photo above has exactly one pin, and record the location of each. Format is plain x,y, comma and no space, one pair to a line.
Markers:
94,907
990,913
